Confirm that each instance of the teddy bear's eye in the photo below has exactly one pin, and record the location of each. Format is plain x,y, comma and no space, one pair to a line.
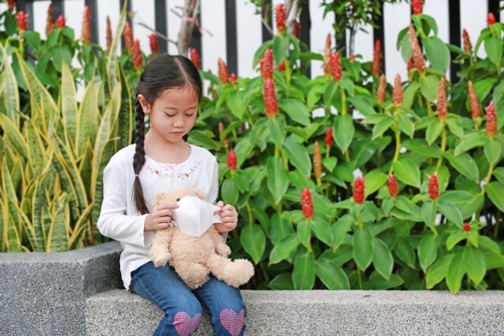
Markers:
178,199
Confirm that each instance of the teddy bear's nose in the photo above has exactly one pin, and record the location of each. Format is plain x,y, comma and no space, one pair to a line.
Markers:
178,199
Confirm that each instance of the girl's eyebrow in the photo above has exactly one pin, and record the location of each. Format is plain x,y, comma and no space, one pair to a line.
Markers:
174,108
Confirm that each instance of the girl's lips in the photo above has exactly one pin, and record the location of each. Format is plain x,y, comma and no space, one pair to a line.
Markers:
178,133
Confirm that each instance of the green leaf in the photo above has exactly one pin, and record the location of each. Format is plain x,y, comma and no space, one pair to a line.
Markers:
343,131
437,53
493,150
236,103
438,271
429,87
475,264
433,131
260,51
296,109
112,55
362,105
277,131
278,181
68,101
464,164
374,180
409,93
329,163
253,240
363,247
495,190
303,276
61,53
405,252
304,231
282,282
87,118
331,274
455,127
427,250
203,139
382,126
284,248
407,171
403,203
456,272
406,125
229,191
380,283
454,238
405,48
323,231
280,46
340,229
493,48
429,211
298,156
32,38
314,95
420,146
383,261
452,213
489,244
348,85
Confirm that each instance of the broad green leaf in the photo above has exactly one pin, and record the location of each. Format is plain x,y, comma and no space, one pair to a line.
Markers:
303,275
253,240
363,247
429,211
10,90
304,231
495,191
378,282
429,87
229,191
88,116
489,244
57,238
493,48
383,261
464,164
68,101
280,46
410,92
14,135
427,250
331,274
406,125
433,131
382,126
343,131
454,238
493,150
451,212
405,252
284,248
260,51
278,181
236,103
323,231
362,105
438,271
455,127
420,146
298,156
297,110
112,56
277,131
407,171
474,264
282,282
437,53
340,229
456,272
374,180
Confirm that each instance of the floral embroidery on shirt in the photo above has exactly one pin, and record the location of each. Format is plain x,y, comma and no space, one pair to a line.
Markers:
171,170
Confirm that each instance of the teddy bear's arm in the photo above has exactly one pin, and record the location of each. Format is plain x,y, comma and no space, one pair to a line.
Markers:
160,250
220,246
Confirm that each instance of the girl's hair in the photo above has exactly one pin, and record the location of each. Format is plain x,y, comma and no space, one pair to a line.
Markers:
164,72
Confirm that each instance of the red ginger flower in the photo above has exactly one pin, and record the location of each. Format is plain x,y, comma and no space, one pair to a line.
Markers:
307,203
154,45
433,187
282,66
221,130
22,20
327,56
392,185
49,23
417,6
491,19
398,91
377,57
329,138
50,29
335,67
128,37
491,120
233,78
410,64
352,58
381,90
442,109
317,161
466,227
61,21
473,99
467,42
358,190
223,72
109,34
270,100
297,29
280,18
86,26
137,55
11,4
266,64
231,160
416,52
195,58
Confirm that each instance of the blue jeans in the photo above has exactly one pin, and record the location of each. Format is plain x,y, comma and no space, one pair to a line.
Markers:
182,307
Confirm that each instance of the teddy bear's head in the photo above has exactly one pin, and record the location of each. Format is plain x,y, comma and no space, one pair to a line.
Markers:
176,195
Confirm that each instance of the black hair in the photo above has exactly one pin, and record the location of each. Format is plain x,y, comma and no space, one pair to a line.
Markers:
162,73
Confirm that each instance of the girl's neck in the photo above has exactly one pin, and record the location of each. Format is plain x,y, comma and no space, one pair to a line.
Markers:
166,152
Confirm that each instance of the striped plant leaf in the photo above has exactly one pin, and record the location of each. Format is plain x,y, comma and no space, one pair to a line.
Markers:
85,168
35,147
11,92
68,101
112,57
88,117
57,237
37,205
125,124
3,225
14,135
76,238
68,186
13,242
108,151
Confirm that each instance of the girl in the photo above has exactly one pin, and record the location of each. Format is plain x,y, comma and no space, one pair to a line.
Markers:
169,91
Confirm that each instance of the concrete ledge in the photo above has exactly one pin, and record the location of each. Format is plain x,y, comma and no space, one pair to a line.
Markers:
319,312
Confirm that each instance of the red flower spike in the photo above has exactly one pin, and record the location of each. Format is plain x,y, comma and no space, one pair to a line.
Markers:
109,34
491,120
61,21
282,66
297,29
398,91
195,58
280,18
50,29
231,160
381,90
351,58
416,51
442,109
266,64
335,67
411,66
358,190
317,161
466,227
491,19
473,99
128,37
433,187
270,100
417,6
137,55
233,78
221,130
392,185
22,20
223,72
49,23
11,4
467,42
86,26
307,203
328,138
154,45
377,59
327,56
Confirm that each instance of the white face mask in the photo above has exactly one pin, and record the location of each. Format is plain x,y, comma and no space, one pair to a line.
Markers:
194,216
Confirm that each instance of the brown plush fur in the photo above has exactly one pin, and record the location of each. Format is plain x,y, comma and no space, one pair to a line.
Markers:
194,257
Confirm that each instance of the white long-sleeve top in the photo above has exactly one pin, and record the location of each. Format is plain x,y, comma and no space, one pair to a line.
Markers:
119,218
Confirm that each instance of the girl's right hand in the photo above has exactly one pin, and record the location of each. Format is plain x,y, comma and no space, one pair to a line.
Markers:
160,217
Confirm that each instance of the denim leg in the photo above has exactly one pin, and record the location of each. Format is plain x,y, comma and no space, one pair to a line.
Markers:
163,287
225,306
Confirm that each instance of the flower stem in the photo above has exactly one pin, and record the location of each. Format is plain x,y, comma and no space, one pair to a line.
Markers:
359,276
287,71
429,107
443,146
343,101
249,211
398,143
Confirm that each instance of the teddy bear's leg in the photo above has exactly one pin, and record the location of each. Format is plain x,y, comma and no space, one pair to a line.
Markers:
234,273
159,252
220,245
193,274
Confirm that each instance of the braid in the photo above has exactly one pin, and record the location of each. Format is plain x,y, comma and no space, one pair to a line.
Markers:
139,159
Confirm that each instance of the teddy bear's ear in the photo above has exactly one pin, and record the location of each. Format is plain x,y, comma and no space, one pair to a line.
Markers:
199,193
160,197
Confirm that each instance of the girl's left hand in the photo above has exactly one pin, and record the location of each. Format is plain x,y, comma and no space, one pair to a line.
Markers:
229,217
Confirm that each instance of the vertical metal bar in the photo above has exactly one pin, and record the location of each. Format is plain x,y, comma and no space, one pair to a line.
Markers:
266,36
161,23
27,7
93,12
196,38
306,29
341,43
379,34
128,9
455,32
231,38
58,7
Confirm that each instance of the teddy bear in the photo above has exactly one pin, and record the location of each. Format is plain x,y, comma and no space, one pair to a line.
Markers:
193,258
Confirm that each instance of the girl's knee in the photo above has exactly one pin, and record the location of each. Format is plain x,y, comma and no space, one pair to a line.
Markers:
232,321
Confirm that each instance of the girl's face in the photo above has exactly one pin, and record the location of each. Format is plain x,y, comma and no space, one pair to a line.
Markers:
172,115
